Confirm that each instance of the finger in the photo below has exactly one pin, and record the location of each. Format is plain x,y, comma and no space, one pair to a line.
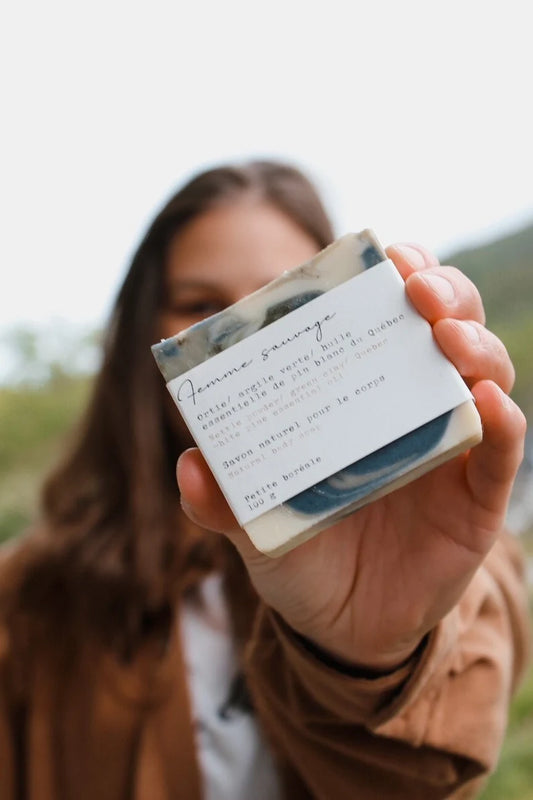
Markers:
204,503
442,292
201,497
436,291
409,258
476,352
493,464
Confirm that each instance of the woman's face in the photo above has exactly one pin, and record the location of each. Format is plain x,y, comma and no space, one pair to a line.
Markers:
225,254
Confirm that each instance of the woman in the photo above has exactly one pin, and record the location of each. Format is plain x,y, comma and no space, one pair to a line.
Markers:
379,656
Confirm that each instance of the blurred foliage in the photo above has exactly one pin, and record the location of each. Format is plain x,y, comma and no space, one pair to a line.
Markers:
31,356
48,381
46,375
503,272
34,424
513,778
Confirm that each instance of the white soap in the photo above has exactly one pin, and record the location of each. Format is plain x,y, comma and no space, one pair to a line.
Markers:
226,428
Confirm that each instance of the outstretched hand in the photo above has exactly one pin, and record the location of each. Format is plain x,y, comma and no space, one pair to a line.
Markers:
369,588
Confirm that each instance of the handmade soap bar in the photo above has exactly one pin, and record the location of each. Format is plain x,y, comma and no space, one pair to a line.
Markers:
323,391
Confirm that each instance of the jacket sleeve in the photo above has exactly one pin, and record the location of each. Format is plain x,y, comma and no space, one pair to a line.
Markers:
432,729
8,789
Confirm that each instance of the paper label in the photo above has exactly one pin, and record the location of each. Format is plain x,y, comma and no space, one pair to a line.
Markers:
329,383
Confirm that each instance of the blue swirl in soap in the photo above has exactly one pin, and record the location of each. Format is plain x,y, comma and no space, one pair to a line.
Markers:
370,257
370,473
233,328
279,310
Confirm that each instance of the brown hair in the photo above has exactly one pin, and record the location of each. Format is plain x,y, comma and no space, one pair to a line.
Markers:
107,555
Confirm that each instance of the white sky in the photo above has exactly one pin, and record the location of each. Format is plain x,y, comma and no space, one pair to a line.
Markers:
414,118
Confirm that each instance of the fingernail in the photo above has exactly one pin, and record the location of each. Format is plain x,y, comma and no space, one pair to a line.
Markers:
440,286
506,401
471,332
179,466
185,506
415,258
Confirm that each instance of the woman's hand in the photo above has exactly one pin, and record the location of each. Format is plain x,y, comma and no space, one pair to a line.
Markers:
369,588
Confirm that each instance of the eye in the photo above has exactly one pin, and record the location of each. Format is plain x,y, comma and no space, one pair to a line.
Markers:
194,308
205,308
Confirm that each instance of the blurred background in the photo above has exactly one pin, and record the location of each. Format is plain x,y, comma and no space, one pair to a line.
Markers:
413,118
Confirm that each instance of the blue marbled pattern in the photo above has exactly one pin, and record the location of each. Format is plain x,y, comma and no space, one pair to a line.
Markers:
292,289
372,472
371,256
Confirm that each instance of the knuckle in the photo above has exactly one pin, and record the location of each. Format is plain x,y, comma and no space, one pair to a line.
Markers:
466,290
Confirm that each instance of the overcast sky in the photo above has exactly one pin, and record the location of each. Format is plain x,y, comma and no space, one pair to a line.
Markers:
413,117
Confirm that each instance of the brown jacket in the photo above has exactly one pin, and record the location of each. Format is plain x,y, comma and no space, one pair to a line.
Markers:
101,730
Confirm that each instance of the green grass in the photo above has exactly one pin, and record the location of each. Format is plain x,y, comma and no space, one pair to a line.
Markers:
32,419
513,779
34,422
517,335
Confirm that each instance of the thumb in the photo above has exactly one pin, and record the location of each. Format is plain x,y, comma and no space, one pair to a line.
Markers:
204,503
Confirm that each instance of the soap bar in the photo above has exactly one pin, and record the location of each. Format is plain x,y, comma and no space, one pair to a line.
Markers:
303,514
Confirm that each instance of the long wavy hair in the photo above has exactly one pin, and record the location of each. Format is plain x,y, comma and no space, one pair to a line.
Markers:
108,555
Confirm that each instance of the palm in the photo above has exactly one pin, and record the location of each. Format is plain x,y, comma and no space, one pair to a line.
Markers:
389,571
